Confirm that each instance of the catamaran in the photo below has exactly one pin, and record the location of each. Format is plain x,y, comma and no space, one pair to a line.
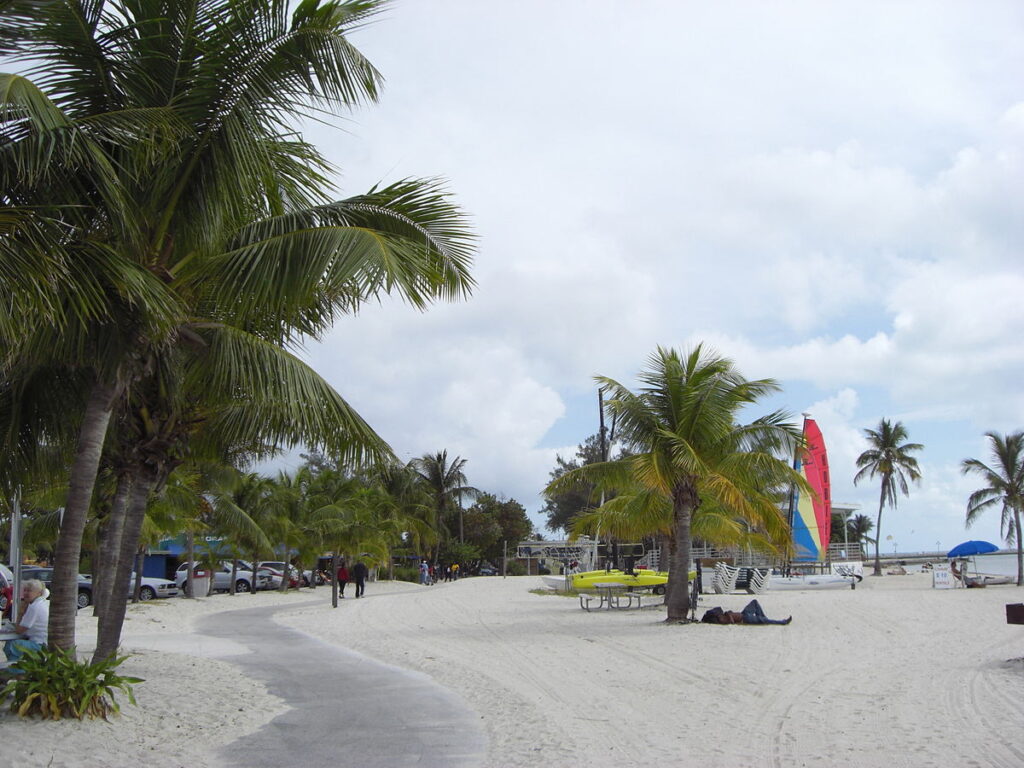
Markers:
811,520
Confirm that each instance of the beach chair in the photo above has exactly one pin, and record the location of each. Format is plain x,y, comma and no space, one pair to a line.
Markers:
758,580
725,578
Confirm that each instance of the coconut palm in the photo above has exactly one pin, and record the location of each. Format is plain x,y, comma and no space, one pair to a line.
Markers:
446,483
889,459
1004,487
688,453
190,182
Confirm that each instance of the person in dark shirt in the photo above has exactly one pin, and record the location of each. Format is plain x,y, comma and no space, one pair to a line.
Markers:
359,573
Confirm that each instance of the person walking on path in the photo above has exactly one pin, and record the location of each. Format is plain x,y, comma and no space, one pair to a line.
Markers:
359,573
424,573
342,579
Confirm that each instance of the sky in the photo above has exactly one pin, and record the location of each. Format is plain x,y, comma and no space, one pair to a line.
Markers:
826,193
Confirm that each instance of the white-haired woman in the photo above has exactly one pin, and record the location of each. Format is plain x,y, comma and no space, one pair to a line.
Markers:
32,622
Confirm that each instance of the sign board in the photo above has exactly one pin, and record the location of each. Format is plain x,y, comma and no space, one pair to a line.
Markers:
941,577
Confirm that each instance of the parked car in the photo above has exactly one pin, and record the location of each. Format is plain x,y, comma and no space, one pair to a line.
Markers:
275,572
6,590
486,570
45,575
222,577
151,587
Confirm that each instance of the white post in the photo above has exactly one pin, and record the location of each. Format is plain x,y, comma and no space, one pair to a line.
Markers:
16,553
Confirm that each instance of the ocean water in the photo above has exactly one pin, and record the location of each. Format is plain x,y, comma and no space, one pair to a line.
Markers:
997,564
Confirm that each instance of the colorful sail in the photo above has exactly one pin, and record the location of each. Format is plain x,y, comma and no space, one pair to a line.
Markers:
812,515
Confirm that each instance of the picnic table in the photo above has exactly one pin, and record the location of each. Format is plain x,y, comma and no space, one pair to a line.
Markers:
611,593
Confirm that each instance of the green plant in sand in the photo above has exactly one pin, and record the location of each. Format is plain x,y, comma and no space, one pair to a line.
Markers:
53,684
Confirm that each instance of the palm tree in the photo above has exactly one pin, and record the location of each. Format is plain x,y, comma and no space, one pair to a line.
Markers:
408,504
690,454
446,484
889,458
195,207
859,526
1004,486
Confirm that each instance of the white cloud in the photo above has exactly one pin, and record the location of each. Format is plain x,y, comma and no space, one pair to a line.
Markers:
827,193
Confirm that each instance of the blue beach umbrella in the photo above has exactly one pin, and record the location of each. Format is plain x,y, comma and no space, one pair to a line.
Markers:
970,548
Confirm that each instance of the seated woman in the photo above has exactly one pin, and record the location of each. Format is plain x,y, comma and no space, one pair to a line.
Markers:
32,621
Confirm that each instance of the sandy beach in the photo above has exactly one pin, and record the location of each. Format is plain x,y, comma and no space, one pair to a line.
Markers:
891,674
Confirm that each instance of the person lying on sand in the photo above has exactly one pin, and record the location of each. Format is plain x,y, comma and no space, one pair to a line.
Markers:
751,614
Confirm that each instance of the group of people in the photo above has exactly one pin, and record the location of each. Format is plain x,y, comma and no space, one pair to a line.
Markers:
358,575
428,573
30,624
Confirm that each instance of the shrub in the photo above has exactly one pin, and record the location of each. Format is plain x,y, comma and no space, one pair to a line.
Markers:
515,568
407,573
53,684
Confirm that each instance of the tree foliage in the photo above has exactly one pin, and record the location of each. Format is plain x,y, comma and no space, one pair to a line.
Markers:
888,458
563,506
1003,489
691,455
168,237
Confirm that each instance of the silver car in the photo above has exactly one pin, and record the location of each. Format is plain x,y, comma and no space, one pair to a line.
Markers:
221,578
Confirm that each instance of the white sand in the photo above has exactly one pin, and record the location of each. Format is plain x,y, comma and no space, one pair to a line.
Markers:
892,674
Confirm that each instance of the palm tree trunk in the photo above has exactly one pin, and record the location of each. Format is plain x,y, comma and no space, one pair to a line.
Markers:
108,634
110,541
1020,549
668,551
284,575
684,501
334,579
190,552
137,562
255,560
68,551
878,531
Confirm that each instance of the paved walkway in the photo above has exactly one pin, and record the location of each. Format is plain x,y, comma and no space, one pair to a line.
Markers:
346,709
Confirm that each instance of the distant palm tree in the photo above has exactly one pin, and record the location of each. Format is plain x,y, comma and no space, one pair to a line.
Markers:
1004,485
859,526
888,457
446,483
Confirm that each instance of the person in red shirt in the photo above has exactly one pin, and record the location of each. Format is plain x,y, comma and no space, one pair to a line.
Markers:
342,578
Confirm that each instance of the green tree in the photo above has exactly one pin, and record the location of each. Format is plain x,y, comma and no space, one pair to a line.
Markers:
491,522
445,482
409,505
888,458
195,204
689,453
856,527
1004,487
560,508
860,528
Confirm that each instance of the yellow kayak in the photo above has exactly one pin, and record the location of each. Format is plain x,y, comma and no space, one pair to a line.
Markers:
655,579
